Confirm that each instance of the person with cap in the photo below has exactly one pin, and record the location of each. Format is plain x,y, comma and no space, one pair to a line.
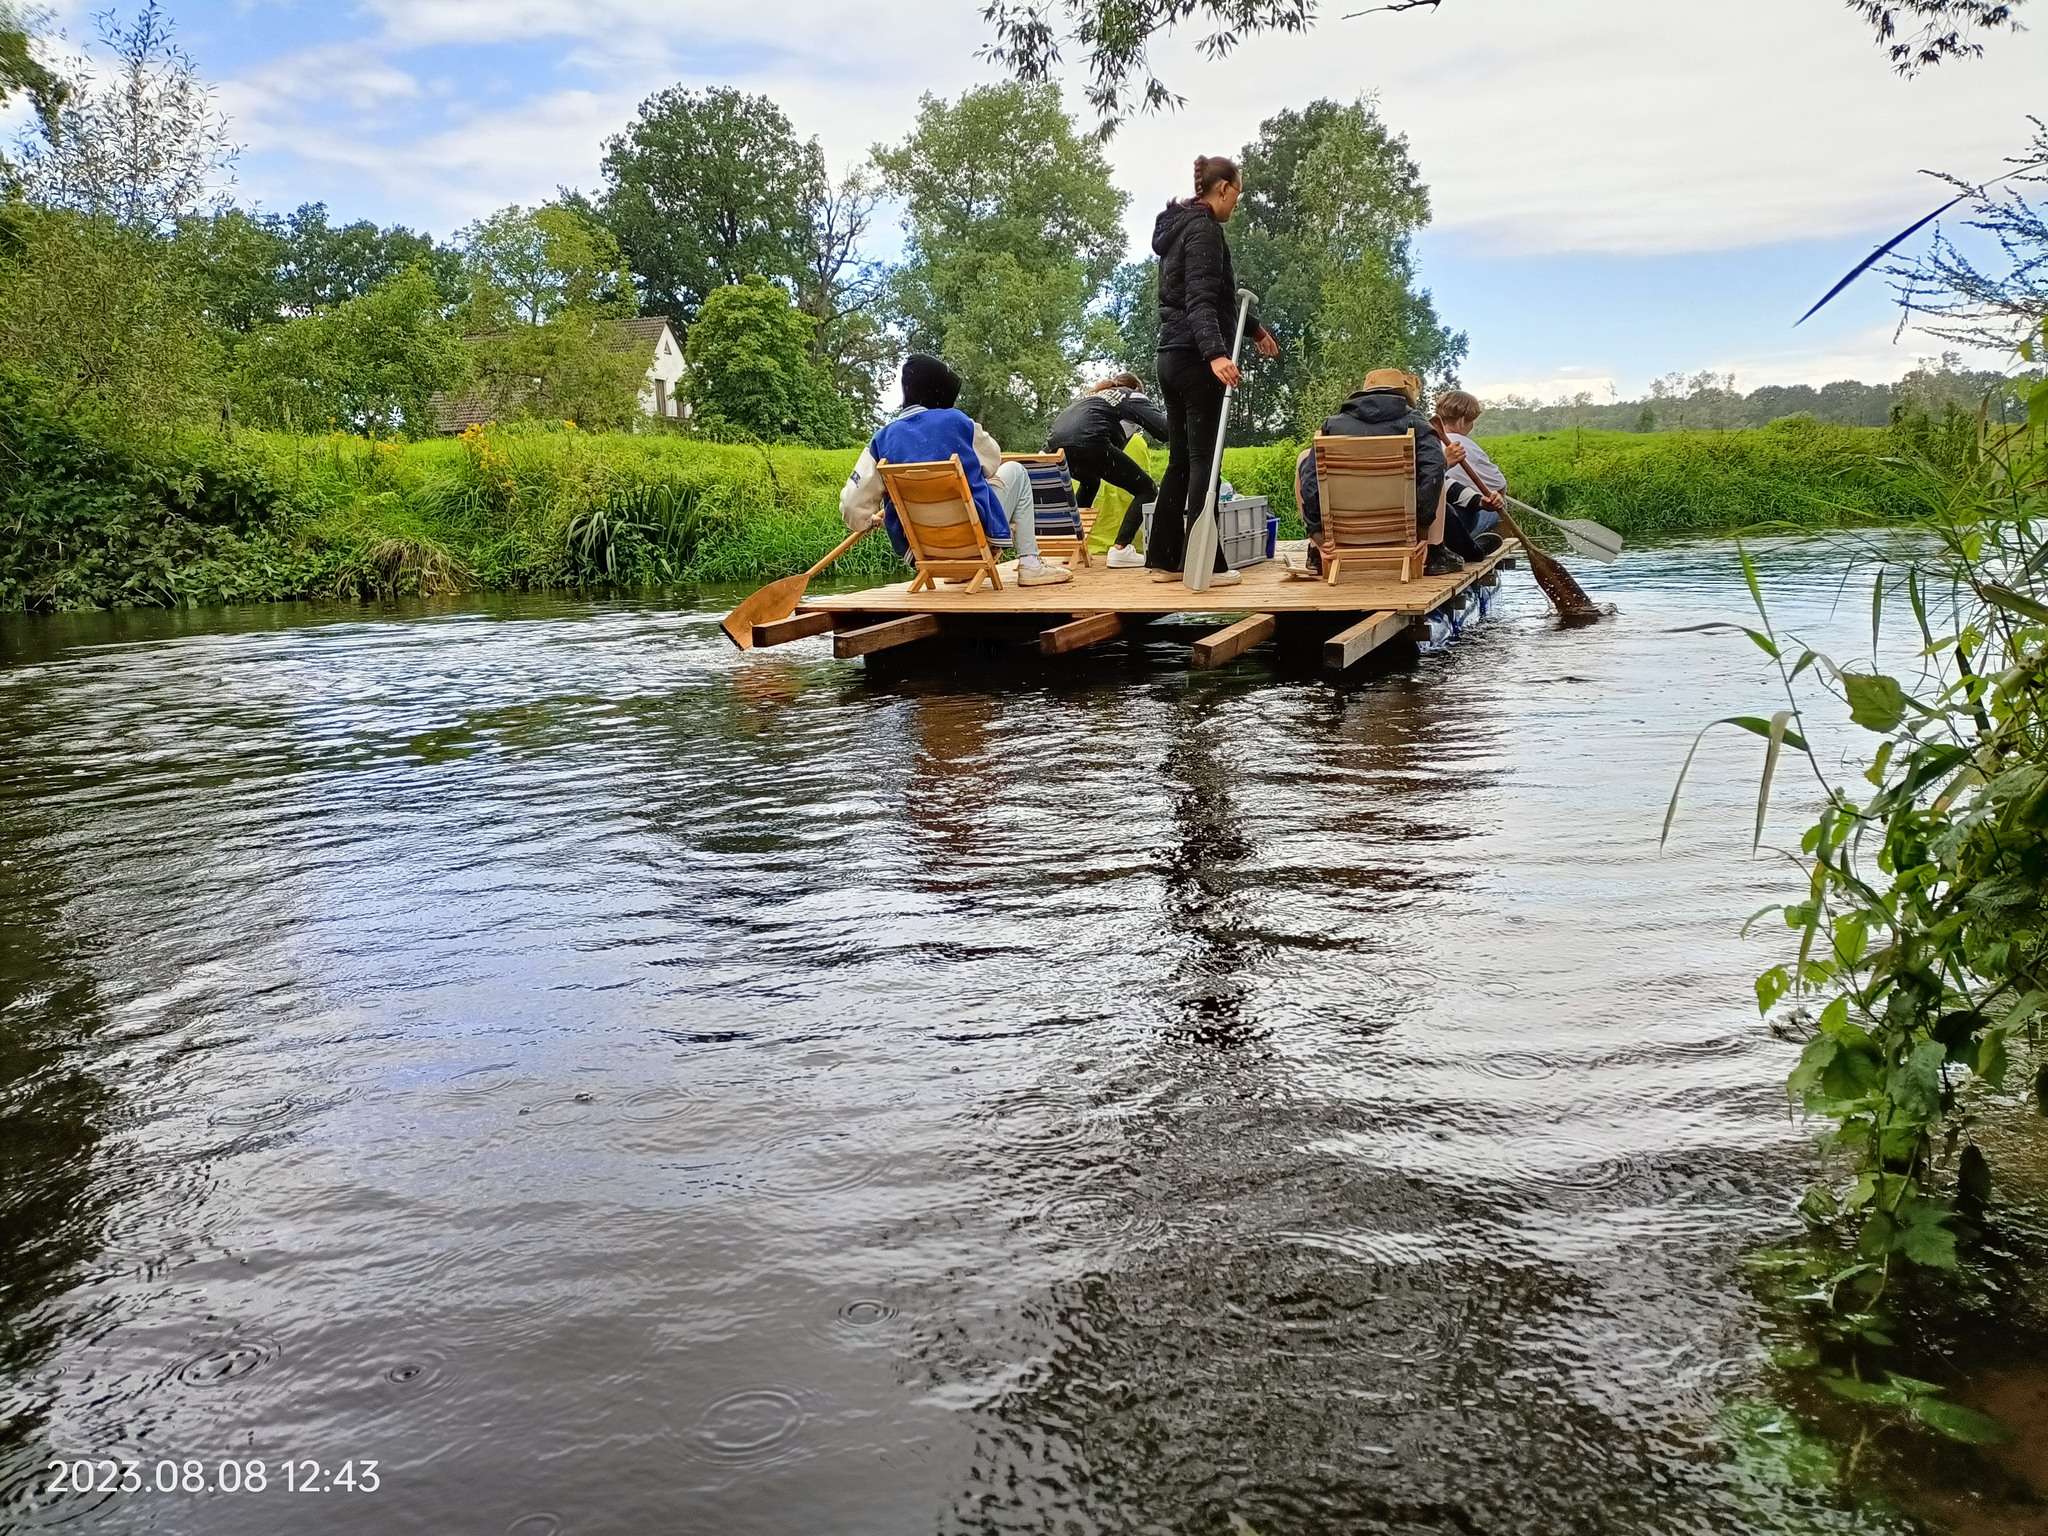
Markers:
1094,433
929,429
1387,404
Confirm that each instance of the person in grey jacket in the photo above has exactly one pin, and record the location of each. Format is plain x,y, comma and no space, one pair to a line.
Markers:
1093,433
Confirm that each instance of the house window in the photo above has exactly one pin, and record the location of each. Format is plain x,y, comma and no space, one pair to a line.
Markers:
661,397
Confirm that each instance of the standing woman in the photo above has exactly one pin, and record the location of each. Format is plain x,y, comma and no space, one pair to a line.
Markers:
1197,323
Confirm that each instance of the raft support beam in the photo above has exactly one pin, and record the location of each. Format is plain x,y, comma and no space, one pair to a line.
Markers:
849,643
1349,646
1226,645
796,627
1076,634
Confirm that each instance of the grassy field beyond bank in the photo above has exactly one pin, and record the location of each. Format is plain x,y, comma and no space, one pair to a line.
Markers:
208,519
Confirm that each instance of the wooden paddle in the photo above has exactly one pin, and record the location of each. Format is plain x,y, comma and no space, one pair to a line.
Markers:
1565,594
778,599
1198,555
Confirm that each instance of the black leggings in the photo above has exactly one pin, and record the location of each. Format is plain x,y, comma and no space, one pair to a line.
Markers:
1194,411
1091,465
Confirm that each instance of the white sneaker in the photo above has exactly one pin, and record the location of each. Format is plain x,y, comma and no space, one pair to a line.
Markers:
1125,557
1164,576
1226,578
1036,573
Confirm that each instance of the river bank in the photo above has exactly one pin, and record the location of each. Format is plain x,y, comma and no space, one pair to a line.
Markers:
206,519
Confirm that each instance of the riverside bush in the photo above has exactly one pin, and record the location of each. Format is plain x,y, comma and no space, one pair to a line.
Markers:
95,519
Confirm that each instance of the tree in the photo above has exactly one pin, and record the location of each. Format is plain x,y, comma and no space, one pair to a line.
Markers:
1114,37
235,262
106,319
1014,230
142,145
705,188
1332,201
326,264
753,374
526,267
576,367
21,73
369,364
842,292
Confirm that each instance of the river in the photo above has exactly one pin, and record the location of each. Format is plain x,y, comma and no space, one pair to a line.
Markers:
617,1085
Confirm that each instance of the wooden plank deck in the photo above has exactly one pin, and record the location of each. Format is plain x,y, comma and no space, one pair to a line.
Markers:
1097,589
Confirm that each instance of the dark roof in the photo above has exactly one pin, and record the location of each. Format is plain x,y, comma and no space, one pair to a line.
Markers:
642,330
452,413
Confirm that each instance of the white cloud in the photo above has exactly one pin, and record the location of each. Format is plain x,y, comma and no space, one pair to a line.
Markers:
1577,125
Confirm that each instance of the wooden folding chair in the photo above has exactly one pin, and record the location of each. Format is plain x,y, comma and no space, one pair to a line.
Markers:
1062,528
940,523
1367,485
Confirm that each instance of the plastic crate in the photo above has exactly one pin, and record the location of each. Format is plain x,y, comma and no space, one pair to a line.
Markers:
1245,529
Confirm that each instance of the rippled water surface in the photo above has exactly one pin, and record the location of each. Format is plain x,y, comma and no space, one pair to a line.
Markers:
618,1085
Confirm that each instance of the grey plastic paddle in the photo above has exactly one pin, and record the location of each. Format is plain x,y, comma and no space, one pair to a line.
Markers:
1596,541
1198,558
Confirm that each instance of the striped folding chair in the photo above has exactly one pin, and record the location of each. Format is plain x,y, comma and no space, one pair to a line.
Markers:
1062,527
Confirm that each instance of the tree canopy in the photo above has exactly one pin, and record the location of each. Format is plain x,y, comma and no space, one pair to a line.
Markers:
371,363
1014,228
706,188
21,73
753,374
529,266
141,144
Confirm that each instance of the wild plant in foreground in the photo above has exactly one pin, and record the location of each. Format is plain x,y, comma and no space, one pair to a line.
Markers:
1921,953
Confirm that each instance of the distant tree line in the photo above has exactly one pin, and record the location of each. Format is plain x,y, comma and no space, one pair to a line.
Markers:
131,284
1710,402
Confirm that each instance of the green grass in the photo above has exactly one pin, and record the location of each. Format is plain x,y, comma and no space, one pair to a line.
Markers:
205,519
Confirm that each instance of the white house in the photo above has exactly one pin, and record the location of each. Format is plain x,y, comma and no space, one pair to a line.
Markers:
647,335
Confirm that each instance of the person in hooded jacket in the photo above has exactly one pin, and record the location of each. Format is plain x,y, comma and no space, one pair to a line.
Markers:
1197,323
930,428
1094,433
1387,404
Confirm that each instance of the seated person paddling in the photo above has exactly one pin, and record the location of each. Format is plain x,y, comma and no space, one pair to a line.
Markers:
1387,404
1475,483
929,429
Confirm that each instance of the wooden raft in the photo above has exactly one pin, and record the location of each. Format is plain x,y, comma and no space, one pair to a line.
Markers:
1361,612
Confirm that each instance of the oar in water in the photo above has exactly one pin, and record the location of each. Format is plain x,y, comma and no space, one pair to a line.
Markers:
1565,594
778,599
1596,541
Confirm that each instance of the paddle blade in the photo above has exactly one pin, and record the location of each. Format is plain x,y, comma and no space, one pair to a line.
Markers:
1198,563
777,600
1596,541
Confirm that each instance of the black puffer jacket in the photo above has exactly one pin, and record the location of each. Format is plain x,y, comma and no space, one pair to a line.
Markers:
1384,413
1197,285
1105,421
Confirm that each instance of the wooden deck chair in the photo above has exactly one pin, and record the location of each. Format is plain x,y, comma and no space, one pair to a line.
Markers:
940,524
1062,528
1367,485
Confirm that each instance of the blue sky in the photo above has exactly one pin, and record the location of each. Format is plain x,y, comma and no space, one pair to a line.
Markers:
1621,188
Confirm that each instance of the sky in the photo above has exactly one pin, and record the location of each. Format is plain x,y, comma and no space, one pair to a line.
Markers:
1621,187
